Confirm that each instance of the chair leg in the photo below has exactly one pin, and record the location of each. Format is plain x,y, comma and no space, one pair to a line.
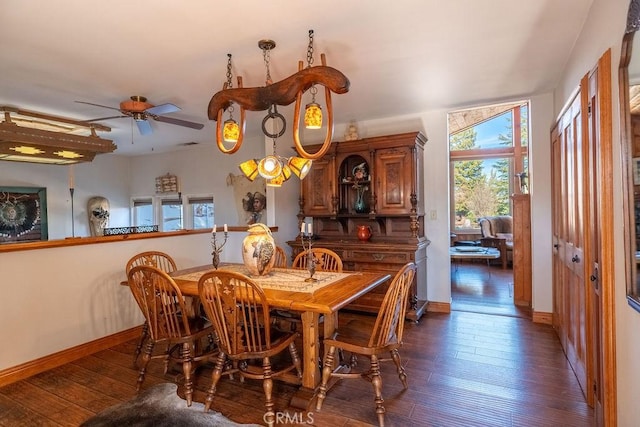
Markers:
143,337
146,357
267,385
326,375
376,382
187,364
215,377
296,359
395,355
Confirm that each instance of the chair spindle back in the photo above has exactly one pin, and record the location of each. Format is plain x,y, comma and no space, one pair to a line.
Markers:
326,259
160,300
237,308
157,259
389,325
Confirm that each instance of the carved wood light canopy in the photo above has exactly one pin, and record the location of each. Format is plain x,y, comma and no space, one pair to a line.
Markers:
27,136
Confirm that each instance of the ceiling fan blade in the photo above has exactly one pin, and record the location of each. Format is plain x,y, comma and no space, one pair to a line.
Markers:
144,127
98,105
105,118
162,109
178,122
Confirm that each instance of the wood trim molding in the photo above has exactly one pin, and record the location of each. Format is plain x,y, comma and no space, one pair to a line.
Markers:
439,307
607,259
75,241
33,367
542,317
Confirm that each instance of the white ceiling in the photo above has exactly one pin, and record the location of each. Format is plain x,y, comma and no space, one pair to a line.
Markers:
401,57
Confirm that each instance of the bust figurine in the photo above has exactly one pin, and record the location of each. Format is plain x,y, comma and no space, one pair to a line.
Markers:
351,134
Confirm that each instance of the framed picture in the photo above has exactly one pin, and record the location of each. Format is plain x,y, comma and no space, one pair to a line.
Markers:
636,170
23,214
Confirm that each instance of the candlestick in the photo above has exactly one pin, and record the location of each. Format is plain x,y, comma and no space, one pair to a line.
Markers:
215,227
225,228
71,177
73,228
215,249
311,260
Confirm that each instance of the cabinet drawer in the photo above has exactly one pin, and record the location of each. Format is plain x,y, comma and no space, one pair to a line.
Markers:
373,256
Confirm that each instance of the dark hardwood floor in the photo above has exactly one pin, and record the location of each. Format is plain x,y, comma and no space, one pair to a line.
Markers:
479,289
466,368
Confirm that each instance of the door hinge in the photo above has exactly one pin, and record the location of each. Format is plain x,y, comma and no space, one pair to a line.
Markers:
589,108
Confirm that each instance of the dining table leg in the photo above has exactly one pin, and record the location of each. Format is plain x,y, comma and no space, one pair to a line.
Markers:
310,357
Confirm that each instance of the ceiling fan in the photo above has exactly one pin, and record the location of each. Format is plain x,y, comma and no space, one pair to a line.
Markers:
140,111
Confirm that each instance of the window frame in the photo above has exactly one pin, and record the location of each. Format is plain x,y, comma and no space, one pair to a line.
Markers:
515,154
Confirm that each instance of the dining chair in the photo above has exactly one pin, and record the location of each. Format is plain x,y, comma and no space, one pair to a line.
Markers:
183,339
281,258
326,260
161,261
157,259
239,311
385,337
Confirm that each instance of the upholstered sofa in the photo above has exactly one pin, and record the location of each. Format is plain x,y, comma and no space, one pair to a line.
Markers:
497,232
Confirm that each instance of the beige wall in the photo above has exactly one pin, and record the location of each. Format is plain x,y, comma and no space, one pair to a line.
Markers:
79,289
603,30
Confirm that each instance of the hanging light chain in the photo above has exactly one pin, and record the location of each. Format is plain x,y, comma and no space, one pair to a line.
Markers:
229,82
266,54
313,90
310,49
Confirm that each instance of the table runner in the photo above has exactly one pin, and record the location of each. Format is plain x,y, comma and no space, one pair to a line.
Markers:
279,278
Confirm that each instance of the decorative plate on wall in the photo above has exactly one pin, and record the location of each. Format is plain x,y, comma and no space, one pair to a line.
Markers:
23,214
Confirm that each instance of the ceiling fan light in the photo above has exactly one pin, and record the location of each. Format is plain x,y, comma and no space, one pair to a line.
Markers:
269,167
249,169
313,116
138,116
300,166
231,131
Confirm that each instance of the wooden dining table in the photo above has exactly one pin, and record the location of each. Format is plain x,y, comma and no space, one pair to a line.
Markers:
286,289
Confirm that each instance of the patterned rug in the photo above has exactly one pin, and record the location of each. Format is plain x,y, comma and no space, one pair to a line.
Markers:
159,406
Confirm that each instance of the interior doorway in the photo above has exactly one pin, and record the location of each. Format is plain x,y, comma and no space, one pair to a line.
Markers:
488,149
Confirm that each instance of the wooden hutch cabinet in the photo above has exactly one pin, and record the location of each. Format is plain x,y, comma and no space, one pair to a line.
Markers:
391,191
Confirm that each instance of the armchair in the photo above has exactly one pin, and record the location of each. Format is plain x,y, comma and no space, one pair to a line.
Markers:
497,232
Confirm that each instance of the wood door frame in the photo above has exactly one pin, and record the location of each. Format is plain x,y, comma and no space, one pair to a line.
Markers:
602,208
606,252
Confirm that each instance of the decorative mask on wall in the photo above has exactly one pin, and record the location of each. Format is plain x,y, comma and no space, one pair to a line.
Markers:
98,210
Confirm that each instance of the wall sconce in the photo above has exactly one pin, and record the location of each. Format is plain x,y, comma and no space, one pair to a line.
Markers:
280,93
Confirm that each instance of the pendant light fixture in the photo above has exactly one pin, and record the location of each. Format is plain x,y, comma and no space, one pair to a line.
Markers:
268,98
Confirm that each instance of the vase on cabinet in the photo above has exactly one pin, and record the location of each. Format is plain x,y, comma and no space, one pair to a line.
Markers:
359,206
258,250
364,232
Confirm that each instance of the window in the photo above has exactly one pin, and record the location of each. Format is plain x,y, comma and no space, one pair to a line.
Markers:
171,214
143,212
201,212
485,159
